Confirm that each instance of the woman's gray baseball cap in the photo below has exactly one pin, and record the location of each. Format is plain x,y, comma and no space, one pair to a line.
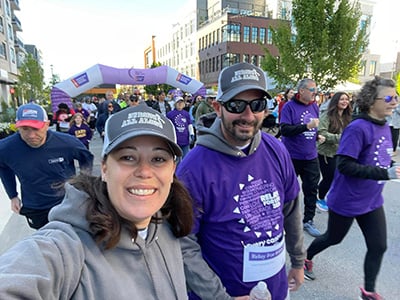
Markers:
138,121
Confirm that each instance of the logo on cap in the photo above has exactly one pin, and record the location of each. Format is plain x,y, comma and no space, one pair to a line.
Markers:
143,118
245,75
28,113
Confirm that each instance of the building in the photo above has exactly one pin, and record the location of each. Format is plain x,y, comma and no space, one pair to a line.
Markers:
216,33
10,48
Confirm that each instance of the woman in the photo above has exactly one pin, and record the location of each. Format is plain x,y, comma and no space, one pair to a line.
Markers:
331,125
80,129
180,118
114,236
62,117
363,163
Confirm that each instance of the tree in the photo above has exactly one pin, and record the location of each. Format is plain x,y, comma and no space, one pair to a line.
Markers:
325,43
30,81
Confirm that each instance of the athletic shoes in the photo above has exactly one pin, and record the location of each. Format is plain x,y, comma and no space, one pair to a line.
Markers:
321,204
310,229
366,295
308,272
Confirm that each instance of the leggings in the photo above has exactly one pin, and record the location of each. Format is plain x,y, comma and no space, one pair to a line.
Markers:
327,166
373,227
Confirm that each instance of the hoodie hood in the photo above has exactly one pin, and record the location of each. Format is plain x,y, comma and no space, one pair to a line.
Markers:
213,138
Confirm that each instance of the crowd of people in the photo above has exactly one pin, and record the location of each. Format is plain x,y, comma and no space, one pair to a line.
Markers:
167,220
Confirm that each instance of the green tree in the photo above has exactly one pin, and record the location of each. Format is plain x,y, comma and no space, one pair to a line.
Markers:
30,81
325,43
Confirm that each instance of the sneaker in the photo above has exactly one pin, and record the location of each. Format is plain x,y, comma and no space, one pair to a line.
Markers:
308,272
367,295
321,204
310,229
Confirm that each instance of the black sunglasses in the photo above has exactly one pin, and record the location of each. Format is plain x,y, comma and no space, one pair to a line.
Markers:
237,106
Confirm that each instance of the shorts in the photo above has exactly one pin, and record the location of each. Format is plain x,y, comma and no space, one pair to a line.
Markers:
36,218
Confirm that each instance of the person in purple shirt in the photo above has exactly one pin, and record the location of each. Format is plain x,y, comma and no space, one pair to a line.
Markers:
299,122
363,165
246,193
182,124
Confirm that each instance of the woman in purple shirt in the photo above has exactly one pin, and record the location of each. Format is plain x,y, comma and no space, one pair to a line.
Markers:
363,164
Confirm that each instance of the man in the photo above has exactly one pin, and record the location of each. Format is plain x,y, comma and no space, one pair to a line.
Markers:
299,123
245,191
161,105
205,106
42,160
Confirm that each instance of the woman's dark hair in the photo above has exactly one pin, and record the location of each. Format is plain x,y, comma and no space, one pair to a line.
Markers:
106,224
370,90
338,122
285,95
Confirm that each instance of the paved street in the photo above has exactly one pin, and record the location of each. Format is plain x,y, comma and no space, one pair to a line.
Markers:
339,269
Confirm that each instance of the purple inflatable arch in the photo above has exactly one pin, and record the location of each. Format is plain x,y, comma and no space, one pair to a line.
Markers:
101,74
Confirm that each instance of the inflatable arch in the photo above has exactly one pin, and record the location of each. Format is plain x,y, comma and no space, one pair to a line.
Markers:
101,74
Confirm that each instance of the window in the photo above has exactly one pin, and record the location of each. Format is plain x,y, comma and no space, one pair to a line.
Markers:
246,58
246,34
254,60
1,25
254,35
229,59
362,68
269,37
262,35
231,33
372,67
3,50
10,32
12,55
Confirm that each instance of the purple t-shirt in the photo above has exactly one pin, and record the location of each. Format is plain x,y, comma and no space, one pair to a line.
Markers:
302,146
181,120
241,199
370,144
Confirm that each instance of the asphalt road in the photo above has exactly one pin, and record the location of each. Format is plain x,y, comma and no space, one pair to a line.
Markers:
339,269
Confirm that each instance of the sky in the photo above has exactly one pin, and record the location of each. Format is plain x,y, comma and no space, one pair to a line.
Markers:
74,35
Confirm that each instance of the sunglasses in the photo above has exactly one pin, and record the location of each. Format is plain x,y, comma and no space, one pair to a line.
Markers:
110,106
237,106
312,90
389,99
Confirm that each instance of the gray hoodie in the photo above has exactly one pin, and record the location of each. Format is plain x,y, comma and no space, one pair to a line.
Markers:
62,261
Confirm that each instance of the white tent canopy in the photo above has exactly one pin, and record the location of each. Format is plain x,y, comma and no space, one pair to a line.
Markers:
347,87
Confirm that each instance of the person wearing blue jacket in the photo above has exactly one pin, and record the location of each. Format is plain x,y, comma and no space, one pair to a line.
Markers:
42,160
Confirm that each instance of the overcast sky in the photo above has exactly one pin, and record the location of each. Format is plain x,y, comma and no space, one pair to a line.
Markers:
74,35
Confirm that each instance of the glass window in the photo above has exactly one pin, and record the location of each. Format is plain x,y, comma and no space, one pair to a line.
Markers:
254,60
246,34
3,50
372,67
246,58
362,68
254,35
269,37
262,35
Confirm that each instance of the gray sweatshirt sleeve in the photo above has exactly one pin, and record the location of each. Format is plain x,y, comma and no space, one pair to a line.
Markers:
199,276
294,236
46,265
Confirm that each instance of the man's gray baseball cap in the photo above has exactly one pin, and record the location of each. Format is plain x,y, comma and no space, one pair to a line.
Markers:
239,78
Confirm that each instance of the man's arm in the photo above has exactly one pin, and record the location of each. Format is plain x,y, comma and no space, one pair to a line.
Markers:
9,182
294,238
199,276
